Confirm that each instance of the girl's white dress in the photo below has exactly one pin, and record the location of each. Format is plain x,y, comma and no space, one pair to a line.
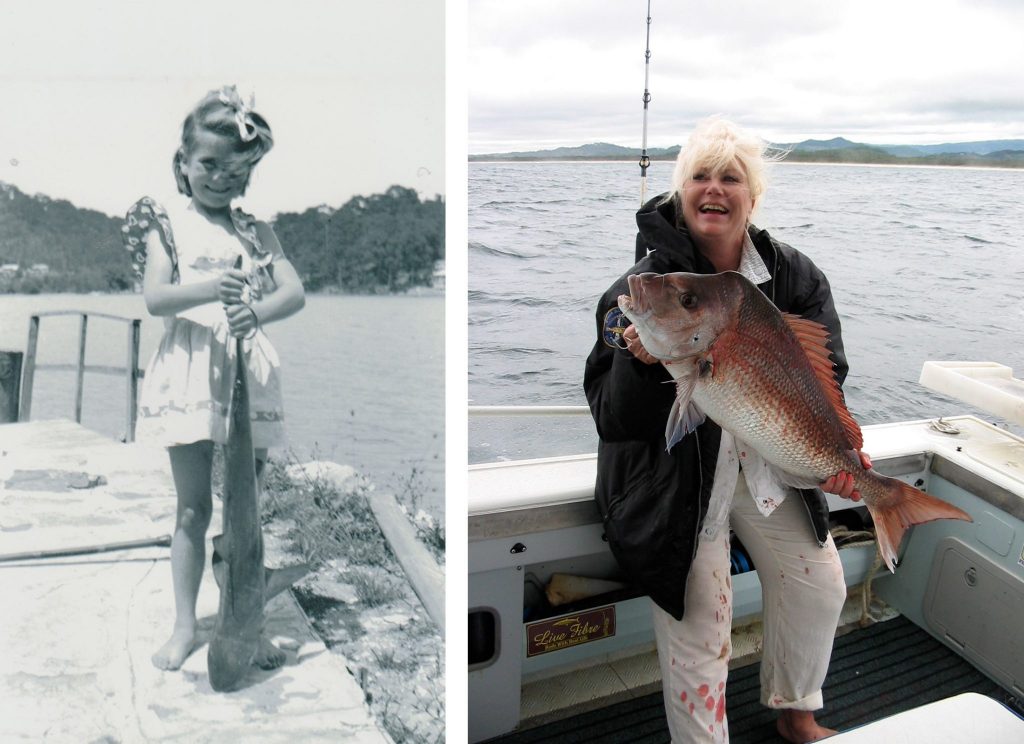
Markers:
186,393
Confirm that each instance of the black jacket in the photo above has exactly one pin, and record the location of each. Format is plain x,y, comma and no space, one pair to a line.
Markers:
653,502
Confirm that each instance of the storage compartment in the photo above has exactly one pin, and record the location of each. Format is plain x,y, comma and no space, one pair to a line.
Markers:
600,567
976,606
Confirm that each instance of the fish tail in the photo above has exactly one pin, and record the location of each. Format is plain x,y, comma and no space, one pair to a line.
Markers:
904,507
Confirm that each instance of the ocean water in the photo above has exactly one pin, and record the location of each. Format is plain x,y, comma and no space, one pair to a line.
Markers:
924,263
363,377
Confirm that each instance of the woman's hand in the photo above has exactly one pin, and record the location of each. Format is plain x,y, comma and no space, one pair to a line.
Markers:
232,287
636,347
242,319
841,484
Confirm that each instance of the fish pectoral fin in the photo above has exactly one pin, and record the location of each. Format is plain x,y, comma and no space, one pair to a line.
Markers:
685,416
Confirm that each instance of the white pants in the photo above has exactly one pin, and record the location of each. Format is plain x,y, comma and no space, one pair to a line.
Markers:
803,592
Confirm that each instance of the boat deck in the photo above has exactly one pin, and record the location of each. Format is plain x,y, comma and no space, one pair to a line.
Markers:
878,671
78,631
531,519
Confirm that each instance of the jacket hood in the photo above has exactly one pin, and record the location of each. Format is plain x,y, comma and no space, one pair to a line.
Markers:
656,221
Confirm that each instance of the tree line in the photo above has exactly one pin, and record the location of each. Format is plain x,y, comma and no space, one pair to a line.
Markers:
386,242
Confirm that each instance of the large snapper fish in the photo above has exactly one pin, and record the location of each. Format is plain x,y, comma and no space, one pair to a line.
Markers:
766,377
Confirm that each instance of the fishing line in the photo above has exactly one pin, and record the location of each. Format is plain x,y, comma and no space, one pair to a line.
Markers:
644,160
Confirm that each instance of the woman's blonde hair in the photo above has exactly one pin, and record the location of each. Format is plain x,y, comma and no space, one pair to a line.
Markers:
717,144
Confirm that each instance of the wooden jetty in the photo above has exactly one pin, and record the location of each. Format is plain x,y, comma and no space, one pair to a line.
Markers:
78,631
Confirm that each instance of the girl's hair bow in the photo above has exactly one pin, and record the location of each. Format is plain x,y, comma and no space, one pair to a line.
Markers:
243,111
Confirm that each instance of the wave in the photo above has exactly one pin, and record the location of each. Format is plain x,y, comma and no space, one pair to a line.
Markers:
521,206
487,250
514,351
907,266
524,375
483,296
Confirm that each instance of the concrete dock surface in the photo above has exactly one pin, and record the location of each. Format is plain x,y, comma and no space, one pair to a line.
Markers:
78,632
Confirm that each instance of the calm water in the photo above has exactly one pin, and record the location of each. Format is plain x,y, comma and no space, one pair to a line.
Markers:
925,263
363,377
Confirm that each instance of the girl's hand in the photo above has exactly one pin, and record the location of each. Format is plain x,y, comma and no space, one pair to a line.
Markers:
841,484
232,288
636,347
242,320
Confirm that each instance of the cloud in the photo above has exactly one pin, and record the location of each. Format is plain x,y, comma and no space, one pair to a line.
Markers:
562,73
94,101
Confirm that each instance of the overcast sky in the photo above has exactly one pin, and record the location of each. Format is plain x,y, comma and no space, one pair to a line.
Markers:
544,74
93,95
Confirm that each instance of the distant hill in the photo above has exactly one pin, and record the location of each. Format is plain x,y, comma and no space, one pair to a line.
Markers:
386,242
994,153
595,151
813,145
986,147
49,245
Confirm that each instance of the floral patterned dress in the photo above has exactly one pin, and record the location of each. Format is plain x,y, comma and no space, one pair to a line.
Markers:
186,392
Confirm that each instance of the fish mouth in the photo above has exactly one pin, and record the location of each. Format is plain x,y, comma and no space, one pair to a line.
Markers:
663,327
636,304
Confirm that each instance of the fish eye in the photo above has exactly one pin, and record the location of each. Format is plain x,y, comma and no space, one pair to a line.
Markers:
688,300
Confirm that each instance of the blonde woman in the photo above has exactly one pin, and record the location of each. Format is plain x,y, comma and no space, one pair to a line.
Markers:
668,515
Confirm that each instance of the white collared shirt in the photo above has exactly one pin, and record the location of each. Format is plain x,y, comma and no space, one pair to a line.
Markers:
762,482
752,266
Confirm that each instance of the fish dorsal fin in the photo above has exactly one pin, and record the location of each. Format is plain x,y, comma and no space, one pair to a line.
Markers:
813,339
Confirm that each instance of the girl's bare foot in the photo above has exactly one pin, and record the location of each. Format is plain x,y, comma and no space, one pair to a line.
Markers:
799,726
178,647
268,656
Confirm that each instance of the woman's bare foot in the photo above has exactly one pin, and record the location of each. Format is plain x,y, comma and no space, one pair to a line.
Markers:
268,656
177,648
799,726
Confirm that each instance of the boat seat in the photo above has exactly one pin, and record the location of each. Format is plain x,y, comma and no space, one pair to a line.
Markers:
969,717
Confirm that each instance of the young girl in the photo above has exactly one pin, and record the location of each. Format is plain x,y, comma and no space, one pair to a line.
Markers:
214,274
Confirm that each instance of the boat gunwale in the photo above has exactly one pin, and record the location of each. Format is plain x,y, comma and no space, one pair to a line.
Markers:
569,506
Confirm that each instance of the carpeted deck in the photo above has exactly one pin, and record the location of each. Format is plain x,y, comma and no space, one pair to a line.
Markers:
875,672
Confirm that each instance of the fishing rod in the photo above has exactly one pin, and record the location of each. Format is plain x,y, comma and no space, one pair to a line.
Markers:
644,160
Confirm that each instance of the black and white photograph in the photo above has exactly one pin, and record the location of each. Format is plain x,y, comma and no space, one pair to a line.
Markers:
222,372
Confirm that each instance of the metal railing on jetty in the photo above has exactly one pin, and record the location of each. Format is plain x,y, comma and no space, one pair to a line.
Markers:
17,383
22,410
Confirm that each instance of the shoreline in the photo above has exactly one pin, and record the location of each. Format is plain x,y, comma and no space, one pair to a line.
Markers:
417,291
319,512
632,162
